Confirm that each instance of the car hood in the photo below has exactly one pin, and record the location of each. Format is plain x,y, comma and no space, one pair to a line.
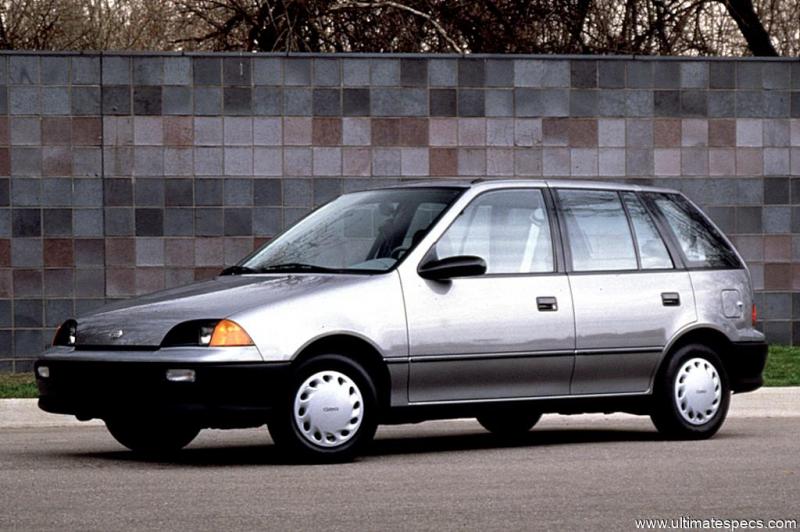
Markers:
144,321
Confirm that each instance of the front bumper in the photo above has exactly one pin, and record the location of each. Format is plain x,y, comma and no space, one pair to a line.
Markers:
745,365
223,395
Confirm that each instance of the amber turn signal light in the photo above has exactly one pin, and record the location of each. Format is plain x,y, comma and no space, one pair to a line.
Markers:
228,333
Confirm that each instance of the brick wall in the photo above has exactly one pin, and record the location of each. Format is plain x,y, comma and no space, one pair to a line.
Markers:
124,174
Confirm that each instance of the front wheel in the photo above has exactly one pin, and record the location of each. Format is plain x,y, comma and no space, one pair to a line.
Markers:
692,395
329,413
150,435
509,424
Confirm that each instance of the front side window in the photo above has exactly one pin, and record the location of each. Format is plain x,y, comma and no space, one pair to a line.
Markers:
508,229
652,250
597,230
363,231
702,245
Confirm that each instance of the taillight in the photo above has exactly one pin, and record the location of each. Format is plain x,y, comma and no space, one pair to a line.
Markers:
754,313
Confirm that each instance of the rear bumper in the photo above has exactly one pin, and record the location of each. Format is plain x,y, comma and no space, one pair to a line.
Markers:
745,365
223,395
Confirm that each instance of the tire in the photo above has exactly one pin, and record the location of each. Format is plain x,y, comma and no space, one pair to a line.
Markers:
509,424
691,395
151,435
328,412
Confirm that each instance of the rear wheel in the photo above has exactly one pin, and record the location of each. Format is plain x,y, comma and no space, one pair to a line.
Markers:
692,395
509,424
152,435
329,413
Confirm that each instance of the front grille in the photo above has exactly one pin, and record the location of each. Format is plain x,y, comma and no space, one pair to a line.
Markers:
85,347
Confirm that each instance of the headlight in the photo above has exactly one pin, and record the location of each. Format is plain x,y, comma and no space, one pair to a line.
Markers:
215,333
65,335
190,333
204,334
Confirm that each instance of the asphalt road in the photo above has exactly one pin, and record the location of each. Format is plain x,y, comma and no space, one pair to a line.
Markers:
571,473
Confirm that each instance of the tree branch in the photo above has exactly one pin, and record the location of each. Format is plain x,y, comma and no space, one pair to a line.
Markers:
373,5
743,12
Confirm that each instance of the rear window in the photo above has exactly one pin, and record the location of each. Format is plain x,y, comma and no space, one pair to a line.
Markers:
598,232
702,245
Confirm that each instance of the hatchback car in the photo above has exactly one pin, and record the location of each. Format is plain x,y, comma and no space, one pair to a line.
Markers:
500,300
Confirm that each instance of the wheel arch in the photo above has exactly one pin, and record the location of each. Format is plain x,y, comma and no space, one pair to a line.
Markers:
357,349
706,335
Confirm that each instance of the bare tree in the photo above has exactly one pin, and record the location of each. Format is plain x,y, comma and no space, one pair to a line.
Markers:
88,24
668,27
743,12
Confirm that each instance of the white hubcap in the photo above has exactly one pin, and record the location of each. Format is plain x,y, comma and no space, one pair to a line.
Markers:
328,408
698,392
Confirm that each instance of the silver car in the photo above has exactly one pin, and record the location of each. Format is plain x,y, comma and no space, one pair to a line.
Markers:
500,300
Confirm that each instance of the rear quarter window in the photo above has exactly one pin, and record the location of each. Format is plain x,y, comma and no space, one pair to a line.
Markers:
701,244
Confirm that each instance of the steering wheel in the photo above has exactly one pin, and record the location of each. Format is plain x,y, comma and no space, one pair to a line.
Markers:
398,252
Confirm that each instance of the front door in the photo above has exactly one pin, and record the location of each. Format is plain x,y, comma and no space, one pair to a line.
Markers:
629,298
506,334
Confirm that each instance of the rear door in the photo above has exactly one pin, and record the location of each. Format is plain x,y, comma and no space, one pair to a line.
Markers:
720,280
629,297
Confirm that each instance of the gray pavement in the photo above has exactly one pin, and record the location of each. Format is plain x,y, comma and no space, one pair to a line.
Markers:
576,472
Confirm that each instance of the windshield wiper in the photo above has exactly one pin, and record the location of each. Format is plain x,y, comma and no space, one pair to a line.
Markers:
284,267
296,266
237,270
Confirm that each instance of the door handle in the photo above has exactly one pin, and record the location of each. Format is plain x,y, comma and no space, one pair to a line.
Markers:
670,299
545,304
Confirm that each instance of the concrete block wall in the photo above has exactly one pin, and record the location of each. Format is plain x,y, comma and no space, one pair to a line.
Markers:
124,174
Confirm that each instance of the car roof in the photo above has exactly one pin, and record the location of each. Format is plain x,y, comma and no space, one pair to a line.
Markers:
489,183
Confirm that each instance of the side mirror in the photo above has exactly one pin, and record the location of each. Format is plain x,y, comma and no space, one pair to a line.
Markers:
451,267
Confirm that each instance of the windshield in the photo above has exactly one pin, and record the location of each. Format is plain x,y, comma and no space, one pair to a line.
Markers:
364,231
